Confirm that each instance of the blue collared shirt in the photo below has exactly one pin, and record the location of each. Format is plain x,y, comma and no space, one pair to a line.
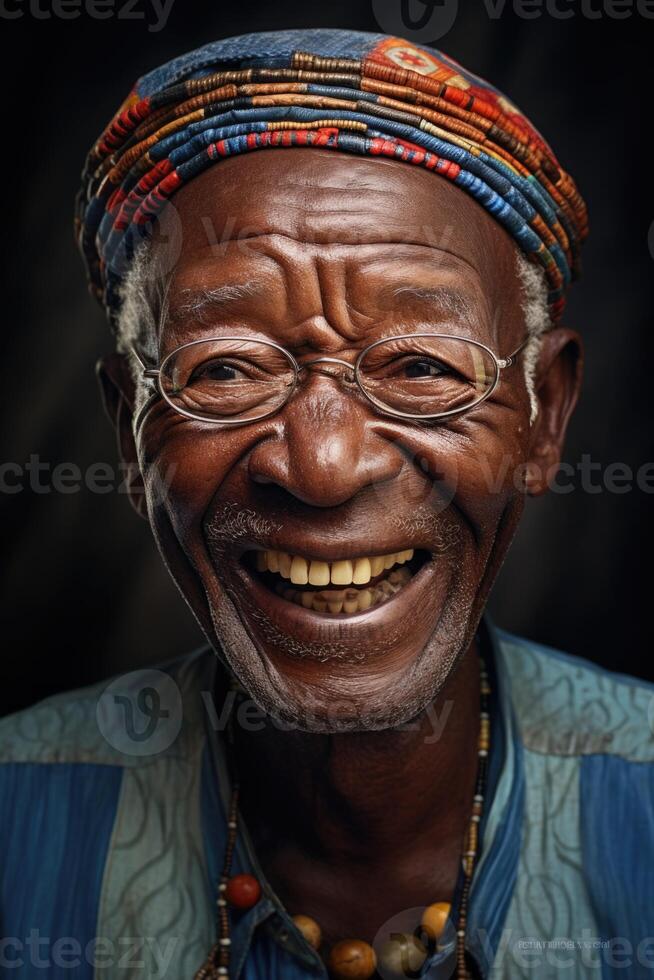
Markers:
111,849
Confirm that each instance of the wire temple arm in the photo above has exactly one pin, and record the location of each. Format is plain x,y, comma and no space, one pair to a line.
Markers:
147,372
510,358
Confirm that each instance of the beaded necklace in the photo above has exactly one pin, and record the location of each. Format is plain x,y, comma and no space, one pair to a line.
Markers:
351,959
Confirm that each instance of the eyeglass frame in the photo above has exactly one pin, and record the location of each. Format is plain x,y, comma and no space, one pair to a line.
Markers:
500,363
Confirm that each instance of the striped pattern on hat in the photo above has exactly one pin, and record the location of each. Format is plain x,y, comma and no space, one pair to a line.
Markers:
354,92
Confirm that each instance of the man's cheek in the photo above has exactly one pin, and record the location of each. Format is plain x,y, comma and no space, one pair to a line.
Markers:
179,488
490,467
182,463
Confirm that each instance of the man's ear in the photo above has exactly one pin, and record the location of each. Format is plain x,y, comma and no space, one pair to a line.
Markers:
557,383
118,396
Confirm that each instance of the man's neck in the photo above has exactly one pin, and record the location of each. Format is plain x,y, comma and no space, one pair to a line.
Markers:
363,794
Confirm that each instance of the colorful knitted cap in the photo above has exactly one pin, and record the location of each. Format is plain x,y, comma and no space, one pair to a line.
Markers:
353,92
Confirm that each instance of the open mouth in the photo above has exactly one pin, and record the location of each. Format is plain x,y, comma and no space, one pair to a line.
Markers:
335,588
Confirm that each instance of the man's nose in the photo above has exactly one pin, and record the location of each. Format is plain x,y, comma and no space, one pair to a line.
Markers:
326,450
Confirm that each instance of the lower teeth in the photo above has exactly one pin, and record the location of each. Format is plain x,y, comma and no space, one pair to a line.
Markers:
348,600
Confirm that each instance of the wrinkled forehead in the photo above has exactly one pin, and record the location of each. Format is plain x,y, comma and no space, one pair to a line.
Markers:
370,230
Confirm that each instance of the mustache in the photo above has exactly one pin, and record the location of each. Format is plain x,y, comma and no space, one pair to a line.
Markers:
443,533
233,521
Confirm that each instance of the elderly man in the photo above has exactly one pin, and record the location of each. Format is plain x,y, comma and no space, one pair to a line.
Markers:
340,368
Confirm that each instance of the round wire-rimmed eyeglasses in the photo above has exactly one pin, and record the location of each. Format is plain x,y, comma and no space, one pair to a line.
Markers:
235,380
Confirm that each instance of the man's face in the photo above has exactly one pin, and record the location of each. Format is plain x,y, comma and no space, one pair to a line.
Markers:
324,253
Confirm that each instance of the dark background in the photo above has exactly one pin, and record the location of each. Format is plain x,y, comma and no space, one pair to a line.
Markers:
83,591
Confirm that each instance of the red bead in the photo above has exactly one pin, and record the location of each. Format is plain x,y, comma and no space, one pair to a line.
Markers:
243,891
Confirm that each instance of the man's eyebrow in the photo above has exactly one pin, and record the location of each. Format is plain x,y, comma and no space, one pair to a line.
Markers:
446,299
195,303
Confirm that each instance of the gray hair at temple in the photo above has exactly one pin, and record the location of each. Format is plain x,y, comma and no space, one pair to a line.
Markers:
144,296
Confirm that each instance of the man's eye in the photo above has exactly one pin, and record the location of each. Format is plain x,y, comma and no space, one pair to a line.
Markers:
425,368
216,371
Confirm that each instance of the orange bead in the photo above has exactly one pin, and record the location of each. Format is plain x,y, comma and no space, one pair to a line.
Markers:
352,959
434,919
243,891
309,929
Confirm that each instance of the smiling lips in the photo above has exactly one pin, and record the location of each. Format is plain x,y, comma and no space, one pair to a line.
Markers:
382,575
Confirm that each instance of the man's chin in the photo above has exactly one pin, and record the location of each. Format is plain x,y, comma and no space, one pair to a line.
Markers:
372,671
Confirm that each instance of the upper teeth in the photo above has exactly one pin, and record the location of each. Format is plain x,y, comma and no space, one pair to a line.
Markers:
346,571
